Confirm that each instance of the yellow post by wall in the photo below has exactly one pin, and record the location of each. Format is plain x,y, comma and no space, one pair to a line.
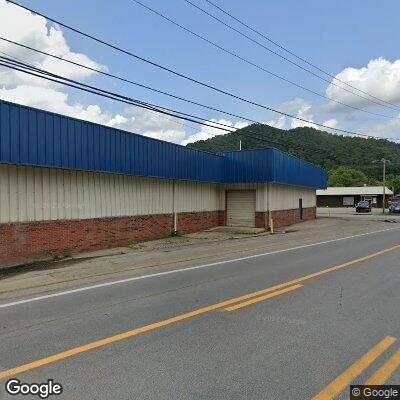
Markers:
271,225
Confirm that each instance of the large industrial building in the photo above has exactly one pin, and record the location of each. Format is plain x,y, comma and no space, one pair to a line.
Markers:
68,185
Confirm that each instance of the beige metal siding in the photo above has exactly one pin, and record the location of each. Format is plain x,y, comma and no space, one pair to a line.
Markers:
241,207
285,197
37,194
196,196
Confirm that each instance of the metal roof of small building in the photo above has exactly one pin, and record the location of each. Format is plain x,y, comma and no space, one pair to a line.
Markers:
30,136
353,191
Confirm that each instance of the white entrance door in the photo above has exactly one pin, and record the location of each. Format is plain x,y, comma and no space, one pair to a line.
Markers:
241,207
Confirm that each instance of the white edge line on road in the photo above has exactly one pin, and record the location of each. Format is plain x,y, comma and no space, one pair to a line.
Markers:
175,271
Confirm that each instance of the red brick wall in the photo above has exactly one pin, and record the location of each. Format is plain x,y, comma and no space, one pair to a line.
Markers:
34,240
190,222
23,242
289,217
261,219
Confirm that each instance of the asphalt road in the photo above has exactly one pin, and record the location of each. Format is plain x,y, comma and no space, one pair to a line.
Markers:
291,340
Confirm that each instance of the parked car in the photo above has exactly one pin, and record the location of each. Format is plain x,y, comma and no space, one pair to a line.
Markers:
394,208
363,206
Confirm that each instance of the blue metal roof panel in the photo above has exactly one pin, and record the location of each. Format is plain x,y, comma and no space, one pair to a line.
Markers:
272,165
35,137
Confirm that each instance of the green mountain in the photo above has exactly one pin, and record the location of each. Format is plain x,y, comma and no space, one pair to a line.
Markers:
324,149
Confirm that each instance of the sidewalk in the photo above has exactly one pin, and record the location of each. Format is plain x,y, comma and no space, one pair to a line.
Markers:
174,252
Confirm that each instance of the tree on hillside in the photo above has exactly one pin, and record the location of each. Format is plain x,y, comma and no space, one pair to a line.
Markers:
393,182
345,176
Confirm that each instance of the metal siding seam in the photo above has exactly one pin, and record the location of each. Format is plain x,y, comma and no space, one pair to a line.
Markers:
54,205
107,150
78,145
12,204
24,136
70,143
120,154
102,151
49,152
57,141
60,194
21,207
64,142
14,135
32,138
90,146
113,151
29,194
5,133
84,149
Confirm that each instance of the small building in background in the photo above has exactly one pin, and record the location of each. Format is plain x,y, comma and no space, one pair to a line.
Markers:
350,196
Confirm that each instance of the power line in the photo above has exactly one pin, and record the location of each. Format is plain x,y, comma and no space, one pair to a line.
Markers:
257,66
151,111
59,79
55,78
287,51
188,77
129,81
133,83
31,70
146,87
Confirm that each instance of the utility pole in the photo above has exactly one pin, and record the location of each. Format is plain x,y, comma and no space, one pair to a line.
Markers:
383,161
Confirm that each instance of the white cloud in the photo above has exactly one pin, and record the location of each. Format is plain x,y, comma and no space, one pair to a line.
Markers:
24,89
279,123
305,113
53,100
150,124
380,78
299,107
389,129
24,27
331,123
207,132
293,105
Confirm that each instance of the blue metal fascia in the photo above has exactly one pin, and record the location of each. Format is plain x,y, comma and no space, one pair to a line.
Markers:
30,136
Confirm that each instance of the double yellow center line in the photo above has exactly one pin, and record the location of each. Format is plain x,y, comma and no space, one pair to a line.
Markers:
261,298
343,381
287,287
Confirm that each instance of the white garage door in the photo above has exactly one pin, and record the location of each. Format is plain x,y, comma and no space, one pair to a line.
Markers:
241,207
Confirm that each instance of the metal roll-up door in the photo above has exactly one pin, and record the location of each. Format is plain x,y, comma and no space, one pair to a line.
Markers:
241,207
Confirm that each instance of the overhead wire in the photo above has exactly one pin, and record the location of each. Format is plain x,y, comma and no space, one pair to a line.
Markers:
257,66
238,97
34,71
241,22
88,88
29,69
161,109
126,80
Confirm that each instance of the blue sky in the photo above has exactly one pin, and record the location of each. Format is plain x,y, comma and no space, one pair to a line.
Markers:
334,35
